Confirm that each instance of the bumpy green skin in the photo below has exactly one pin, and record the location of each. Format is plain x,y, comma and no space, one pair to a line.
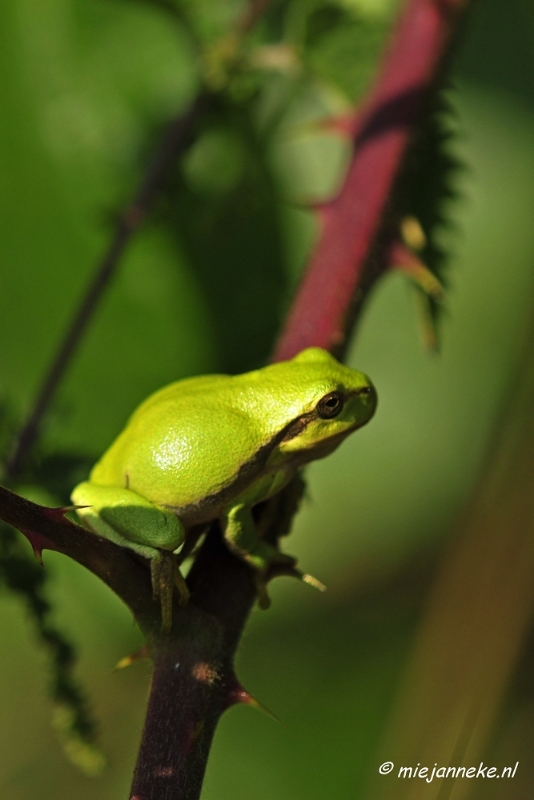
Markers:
212,447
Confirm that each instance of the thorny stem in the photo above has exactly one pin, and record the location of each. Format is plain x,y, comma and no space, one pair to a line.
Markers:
358,224
193,681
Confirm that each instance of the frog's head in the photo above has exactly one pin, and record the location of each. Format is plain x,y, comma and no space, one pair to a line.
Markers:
334,401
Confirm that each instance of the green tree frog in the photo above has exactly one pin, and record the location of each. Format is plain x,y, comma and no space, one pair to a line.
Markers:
212,447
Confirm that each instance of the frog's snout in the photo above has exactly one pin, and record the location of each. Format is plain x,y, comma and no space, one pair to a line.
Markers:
368,399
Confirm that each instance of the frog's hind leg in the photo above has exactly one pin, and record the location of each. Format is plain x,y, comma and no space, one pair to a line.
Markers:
127,518
132,521
242,537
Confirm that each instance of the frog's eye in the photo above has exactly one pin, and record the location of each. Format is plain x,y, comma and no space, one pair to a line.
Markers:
330,405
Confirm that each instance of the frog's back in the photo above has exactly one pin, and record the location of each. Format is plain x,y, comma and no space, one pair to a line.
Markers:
186,442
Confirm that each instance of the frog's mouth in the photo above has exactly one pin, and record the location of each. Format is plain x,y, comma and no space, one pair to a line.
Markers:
328,445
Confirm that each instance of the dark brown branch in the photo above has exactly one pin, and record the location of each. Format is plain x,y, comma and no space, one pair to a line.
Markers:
187,701
48,528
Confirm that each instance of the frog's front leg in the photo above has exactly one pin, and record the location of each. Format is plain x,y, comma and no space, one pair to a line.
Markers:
242,537
129,520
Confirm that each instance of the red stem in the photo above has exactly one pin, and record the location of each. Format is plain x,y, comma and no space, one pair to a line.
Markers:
338,278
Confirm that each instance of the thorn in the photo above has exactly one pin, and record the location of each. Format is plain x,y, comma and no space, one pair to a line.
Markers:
37,549
249,700
143,652
38,543
401,257
237,694
58,514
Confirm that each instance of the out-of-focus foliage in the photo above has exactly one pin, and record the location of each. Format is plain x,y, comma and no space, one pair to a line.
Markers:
427,203
86,87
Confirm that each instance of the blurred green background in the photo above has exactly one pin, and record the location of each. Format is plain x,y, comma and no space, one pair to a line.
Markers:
85,87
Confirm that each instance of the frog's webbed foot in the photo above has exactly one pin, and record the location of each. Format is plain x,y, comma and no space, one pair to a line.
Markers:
165,575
